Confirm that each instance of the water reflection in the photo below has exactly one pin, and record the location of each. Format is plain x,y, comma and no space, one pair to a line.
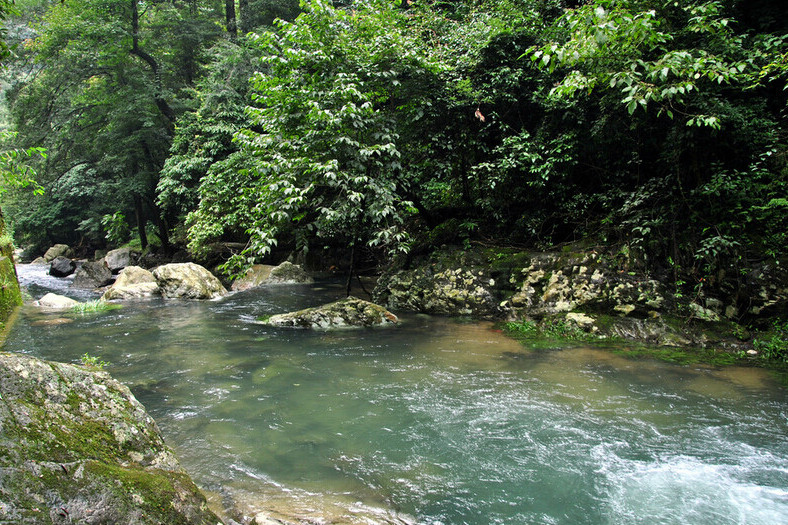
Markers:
443,421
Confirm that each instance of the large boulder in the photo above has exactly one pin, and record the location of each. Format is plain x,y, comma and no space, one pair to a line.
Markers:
288,273
118,259
133,282
187,281
260,274
56,302
62,267
349,312
92,275
58,250
255,276
77,447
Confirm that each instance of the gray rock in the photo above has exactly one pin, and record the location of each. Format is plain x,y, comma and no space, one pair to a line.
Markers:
58,250
133,282
39,260
77,447
118,259
57,302
62,267
92,274
349,312
187,281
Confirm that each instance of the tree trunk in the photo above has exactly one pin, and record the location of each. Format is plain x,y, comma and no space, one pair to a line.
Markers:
352,269
139,214
229,15
243,16
135,50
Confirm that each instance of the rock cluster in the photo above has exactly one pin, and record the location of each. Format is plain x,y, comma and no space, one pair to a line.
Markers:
175,280
77,447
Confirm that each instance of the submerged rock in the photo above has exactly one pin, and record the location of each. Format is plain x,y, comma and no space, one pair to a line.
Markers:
349,312
55,301
77,447
132,282
92,275
62,267
187,281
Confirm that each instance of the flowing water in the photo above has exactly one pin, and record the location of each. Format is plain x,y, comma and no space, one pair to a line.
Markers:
434,421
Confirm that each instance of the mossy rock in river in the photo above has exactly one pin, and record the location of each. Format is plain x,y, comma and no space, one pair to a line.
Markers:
77,447
349,312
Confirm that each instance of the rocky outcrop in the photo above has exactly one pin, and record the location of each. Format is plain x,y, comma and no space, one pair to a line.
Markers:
583,292
58,250
444,291
554,283
132,282
118,259
187,281
62,267
513,285
92,274
56,302
77,447
349,312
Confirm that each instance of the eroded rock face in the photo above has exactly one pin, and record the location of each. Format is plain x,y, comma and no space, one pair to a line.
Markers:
132,282
77,447
554,283
533,285
187,281
443,291
349,312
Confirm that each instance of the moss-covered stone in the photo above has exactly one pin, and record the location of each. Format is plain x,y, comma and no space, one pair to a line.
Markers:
349,312
10,294
77,447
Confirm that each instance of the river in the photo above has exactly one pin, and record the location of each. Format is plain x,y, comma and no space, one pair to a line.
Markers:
434,421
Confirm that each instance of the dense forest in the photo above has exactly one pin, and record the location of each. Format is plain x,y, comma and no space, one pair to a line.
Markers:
243,131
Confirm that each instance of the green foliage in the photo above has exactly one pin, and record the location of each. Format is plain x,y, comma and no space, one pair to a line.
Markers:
93,362
548,328
99,85
116,228
89,307
15,168
639,55
772,345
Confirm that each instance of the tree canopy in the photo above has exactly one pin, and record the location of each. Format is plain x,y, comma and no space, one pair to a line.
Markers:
393,127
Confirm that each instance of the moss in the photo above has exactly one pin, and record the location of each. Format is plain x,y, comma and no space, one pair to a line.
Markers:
156,491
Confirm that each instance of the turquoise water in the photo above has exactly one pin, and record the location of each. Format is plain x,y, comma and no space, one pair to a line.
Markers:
434,421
